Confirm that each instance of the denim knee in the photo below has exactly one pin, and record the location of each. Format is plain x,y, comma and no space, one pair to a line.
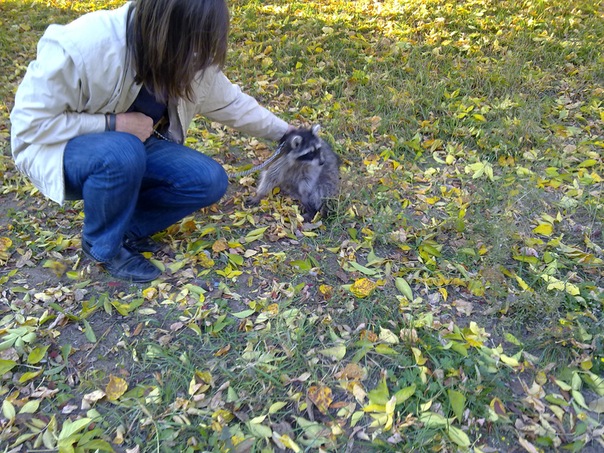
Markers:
126,155
206,184
218,184
94,160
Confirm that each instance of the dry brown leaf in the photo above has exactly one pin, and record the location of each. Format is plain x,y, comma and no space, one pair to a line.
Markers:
220,245
369,336
90,398
351,372
321,397
463,306
223,351
527,445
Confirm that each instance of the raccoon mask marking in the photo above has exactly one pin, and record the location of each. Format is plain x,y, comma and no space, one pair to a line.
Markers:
308,171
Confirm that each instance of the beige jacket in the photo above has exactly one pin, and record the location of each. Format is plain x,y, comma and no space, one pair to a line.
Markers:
81,73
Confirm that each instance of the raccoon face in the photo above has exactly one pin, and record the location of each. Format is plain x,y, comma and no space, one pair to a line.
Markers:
305,146
308,171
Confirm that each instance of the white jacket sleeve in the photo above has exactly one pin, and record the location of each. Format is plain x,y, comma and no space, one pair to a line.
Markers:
225,103
49,100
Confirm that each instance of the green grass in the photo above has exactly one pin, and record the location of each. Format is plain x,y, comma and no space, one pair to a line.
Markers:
452,300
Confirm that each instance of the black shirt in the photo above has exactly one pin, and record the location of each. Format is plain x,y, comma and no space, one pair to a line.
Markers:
146,103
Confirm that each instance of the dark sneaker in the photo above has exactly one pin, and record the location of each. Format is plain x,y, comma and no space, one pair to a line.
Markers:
127,265
141,245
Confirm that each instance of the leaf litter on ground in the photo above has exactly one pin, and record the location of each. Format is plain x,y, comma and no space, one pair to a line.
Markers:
453,299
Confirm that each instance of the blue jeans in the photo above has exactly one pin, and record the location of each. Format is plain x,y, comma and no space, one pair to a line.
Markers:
133,189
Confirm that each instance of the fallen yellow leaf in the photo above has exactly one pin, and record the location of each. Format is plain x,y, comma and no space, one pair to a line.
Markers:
326,291
388,337
362,288
544,229
272,309
289,443
200,383
321,397
220,245
150,293
115,388
204,259
5,243
336,352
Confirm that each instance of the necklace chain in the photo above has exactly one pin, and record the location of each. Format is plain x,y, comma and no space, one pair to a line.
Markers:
239,174
160,135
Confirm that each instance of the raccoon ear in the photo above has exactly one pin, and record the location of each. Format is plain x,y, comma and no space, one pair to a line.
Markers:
295,141
315,129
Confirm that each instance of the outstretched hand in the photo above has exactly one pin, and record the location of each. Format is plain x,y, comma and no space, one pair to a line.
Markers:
135,123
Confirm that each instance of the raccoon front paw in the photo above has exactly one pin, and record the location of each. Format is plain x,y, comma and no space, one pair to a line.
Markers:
308,216
251,202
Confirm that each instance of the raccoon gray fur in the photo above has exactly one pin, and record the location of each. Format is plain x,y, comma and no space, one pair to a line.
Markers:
308,170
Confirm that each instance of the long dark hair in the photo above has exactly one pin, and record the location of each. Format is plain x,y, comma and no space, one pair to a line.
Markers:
172,40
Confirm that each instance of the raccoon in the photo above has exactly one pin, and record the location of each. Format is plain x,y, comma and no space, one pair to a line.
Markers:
308,170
